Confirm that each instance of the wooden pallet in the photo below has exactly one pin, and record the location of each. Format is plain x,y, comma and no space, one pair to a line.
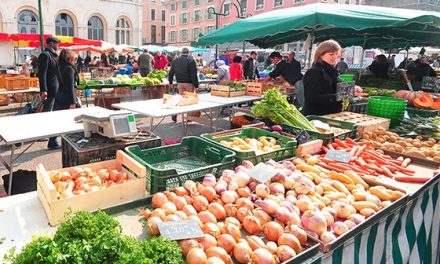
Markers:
17,83
225,91
364,123
132,190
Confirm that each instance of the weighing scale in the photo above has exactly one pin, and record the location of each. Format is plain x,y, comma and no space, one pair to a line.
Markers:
115,124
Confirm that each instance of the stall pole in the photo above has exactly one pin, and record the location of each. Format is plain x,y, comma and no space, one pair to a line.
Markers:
311,47
40,15
362,57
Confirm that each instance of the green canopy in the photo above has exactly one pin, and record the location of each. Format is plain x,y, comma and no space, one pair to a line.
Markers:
349,24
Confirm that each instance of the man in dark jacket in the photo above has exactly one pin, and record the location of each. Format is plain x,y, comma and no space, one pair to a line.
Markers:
291,59
283,69
250,67
185,70
48,76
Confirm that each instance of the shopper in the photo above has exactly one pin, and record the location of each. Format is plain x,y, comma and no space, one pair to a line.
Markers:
424,69
342,66
321,79
250,67
104,60
236,69
291,59
66,95
48,77
145,60
223,71
185,70
283,69
379,67
160,61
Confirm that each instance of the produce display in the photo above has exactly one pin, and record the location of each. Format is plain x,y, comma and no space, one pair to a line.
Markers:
81,180
251,222
94,239
326,128
371,91
274,106
235,86
389,141
366,161
421,100
426,127
260,146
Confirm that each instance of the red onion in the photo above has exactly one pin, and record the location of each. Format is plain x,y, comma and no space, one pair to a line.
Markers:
221,187
277,188
240,168
287,164
227,175
241,178
279,177
271,162
262,190
269,206
209,180
252,185
247,164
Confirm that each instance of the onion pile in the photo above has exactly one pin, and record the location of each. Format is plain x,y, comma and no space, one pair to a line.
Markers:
81,180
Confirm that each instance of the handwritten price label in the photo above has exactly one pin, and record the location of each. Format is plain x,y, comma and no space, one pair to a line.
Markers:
178,230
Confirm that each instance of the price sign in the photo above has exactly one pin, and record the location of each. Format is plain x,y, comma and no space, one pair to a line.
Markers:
262,172
302,137
178,230
431,83
339,155
344,90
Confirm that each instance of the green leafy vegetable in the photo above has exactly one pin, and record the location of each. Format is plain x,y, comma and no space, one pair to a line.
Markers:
164,251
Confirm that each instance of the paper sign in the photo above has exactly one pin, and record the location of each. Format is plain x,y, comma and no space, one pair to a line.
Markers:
262,172
302,137
339,155
344,90
178,230
431,83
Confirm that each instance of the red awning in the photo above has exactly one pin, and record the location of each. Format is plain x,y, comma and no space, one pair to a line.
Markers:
4,37
33,40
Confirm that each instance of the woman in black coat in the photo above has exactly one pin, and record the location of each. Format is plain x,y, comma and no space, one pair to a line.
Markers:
66,96
321,79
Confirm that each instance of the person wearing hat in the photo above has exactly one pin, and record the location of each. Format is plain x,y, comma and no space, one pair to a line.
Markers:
284,69
185,70
48,76
145,60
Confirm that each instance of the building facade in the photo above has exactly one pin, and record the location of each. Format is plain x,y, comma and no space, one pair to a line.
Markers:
189,18
154,22
114,21
430,5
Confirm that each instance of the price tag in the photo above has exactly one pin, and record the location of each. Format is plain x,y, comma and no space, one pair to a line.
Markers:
302,137
339,155
178,230
262,172
344,90
431,83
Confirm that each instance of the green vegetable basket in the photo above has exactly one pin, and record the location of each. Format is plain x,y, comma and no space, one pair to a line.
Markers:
422,112
287,150
346,77
387,107
170,166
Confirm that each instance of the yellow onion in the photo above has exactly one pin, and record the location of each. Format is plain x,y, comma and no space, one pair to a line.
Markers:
252,225
158,200
230,209
153,225
284,253
272,247
255,242
208,192
196,256
242,213
298,232
189,210
232,230
291,241
262,216
207,217
212,229
273,231
220,253
214,260
263,256
200,203
188,244
169,208
217,210
180,191
244,202
233,221
208,241
227,242
242,252
180,202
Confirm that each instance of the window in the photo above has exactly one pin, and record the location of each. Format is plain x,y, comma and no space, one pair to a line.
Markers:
347,2
95,28
357,2
210,1
185,4
278,3
209,14
153,15
195,33
122,32
184,18
173,20
27,22
196,2
196,16
173,6
163,15
299,1
172,36
336,1
209,29
243,6
153,34
226,8
260,5
162,34
184,35
64,25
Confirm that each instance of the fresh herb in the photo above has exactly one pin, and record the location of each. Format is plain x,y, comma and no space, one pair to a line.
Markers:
163,251
275,107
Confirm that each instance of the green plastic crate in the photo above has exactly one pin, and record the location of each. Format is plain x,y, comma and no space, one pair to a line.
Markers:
287,150
346,77
422,112
170,166
326,137
387,107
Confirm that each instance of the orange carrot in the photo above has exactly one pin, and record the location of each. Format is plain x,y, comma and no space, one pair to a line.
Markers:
412,179
341,143
324,149
387,172
350,141
360,150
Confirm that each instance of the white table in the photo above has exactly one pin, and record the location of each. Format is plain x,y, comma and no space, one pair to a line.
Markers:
26,91
224,101
153,109
32,127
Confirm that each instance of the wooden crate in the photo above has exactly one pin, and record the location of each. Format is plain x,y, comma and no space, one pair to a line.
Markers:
17,83
225,91
107,101
4,100
92,201
33,82
254,88
364,123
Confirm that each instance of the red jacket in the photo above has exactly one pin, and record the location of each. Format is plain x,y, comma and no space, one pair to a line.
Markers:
160,62
236,71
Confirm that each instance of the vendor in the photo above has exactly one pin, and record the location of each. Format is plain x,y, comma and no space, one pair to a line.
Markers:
321,79
420,68
379,67
284,69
